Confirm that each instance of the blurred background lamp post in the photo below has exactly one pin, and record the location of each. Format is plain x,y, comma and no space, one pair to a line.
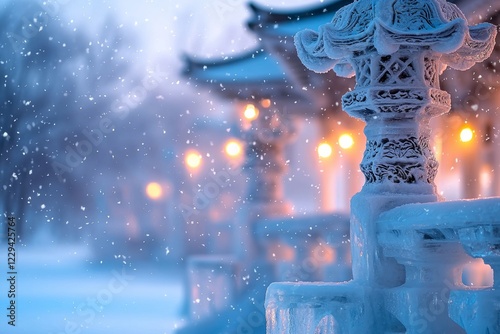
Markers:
326,166
470,178
337,178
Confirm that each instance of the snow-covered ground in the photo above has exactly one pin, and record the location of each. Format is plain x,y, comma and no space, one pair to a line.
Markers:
60,291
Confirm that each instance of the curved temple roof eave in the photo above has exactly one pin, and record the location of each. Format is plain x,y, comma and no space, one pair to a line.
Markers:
264,14
194,63
236,86
253,66
272,23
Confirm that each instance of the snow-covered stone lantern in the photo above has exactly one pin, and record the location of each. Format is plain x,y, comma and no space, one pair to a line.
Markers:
397,49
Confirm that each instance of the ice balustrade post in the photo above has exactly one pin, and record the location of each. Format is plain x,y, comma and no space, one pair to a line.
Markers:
482,304
434,241
416,237
397,50
213,285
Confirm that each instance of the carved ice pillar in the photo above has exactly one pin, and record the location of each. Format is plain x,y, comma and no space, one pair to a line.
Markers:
266,162
265,166
396,49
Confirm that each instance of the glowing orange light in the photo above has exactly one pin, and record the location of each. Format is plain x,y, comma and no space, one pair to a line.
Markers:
251,113
324,150
154,190
265,103
233,148
346,141
466,135
193,159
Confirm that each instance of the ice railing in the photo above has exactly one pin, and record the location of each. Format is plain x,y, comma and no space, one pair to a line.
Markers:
433,241
427,239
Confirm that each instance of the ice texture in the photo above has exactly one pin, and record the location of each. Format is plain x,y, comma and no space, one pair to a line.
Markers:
408,250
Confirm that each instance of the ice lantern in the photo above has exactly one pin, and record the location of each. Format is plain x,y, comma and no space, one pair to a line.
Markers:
397,50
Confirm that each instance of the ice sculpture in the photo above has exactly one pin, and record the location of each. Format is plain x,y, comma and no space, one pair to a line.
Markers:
405,274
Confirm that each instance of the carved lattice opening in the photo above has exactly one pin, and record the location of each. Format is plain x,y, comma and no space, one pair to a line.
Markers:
396,70
363,74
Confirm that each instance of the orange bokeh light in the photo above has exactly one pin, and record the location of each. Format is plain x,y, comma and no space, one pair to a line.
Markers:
324,150
233,148
346,141
466,135
154,190
193,159
265,103
251,112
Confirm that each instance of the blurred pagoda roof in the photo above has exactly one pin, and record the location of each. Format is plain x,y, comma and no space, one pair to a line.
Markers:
251,76
287,22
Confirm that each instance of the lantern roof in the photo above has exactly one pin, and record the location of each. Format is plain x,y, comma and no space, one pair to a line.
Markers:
388,25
